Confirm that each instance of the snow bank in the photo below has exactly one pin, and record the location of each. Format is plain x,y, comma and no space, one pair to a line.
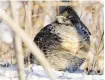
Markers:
37,73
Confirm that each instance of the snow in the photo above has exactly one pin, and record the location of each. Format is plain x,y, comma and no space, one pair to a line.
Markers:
6,35
4,4
37,72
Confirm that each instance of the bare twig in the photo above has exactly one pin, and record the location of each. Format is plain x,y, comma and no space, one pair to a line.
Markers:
28,20
28,23
18,44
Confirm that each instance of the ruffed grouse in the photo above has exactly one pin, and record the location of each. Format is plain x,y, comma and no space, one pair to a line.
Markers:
65,42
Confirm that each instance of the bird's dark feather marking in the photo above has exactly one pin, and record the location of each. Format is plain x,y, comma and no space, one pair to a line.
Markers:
47,40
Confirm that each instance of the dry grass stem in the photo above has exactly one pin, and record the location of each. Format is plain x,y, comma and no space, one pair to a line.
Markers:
18,44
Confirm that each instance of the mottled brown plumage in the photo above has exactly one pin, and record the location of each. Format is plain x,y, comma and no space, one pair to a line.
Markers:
65,42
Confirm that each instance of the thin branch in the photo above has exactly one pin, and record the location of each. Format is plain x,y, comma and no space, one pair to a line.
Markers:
18,45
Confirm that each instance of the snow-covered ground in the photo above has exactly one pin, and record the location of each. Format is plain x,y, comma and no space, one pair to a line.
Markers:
37,73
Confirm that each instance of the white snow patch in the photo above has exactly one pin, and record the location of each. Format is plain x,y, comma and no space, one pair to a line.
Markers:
37,73
6,35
